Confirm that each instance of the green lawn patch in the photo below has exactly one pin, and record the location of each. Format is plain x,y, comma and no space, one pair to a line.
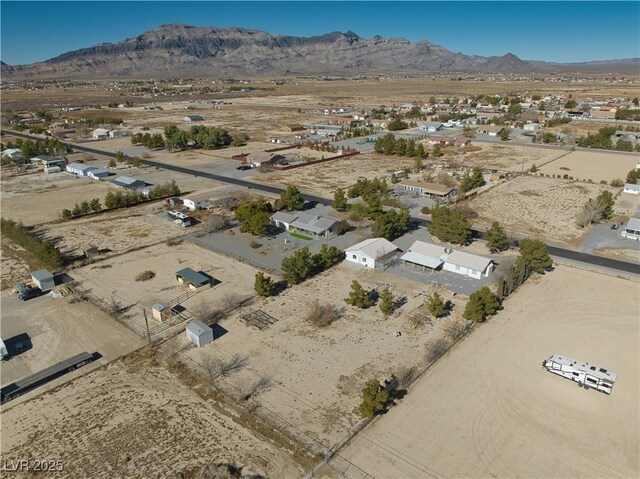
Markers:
301,236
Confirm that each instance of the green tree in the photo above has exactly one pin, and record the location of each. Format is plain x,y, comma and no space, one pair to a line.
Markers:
292,199
120,157
436,305
136,162
496,238
358,297
570,104
607,200
450,225
535,255
401,147
264,285
299,266
397,124
421,152
328,256
112,163
253,217
237,141
66,214
339,200
391,224
481,304
77,210
490,301
472,180
374,399
418,165
504,134
436,152
387,302
95,205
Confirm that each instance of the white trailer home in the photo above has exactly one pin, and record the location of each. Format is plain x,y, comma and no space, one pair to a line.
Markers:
585,374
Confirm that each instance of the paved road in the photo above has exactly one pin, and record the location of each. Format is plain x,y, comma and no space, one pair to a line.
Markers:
563,253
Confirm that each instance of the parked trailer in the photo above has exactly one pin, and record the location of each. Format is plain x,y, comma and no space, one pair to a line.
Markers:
12,391
585,374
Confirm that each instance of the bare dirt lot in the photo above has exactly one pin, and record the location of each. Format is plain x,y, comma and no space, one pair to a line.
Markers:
501,156
324,178
487,408
136,415
57,330
536,207
315,375
117,276
593,165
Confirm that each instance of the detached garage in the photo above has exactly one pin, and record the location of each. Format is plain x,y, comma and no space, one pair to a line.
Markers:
43,279
199,333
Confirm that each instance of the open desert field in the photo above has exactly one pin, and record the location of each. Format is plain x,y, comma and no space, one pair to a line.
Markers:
593,165
38,198
323,179
116,276
137,415
503,157
536,207
487,408
312,377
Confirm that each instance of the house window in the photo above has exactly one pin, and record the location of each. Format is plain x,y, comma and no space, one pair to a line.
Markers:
354,256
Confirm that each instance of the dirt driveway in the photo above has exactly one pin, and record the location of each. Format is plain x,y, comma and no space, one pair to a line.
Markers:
487,409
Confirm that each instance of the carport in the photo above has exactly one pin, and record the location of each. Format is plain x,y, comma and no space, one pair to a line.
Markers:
193,278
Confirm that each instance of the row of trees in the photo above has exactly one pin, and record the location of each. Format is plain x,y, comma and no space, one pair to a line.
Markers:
83,208
627,114
44,251
198,136
602,140
120,199
303,264
151,141
388,145
30,148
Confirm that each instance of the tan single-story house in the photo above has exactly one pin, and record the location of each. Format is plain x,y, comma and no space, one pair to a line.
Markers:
260,158
435,191
292,127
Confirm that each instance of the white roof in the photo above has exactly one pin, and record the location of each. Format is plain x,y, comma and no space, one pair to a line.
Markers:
427,249
198,328
80,166
421,259
11,151
633,224
100,131
590,369
374,248
425,254
468,260
632,186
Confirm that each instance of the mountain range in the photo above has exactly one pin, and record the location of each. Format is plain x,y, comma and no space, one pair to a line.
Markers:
176,50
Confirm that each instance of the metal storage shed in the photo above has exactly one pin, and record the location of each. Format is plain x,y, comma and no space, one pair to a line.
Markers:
43,279
193,278
199,333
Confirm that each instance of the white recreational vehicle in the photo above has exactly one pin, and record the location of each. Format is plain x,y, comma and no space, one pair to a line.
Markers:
585,374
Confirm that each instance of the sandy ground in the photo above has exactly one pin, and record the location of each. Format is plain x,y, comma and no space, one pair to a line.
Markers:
593,165
536,207
316,375
501,156
488,409
59,329
39,198
324,178
115,277
135,418
16,264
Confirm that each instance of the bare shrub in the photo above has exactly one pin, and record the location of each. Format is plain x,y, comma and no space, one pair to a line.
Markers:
212,367
444,179
173,242
466,209
145,276
321,314
114,307
235,363
435,348
419,319
406,376
203,312
251,390
218,223
456,329
592,212
255,244
231,301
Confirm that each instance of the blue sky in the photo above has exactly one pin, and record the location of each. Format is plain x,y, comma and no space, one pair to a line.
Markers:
550,31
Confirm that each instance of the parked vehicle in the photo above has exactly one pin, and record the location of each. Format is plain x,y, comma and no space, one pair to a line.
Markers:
4,353
243,167
29,293
585,374
615,226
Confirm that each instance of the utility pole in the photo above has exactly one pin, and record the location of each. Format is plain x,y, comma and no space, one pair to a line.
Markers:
146,322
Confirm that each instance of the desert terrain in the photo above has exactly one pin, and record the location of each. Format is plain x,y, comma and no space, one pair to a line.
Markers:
593,165
536,207
133,415
488,409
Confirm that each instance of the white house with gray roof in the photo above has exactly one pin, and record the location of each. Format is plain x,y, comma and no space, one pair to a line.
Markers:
632,229
632,188
371,252
80,169
319,226
436,257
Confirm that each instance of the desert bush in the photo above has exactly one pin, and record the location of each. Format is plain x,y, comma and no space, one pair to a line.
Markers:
456,329
173,242
322,314
435,348
145,276
254,244
617,183
406,376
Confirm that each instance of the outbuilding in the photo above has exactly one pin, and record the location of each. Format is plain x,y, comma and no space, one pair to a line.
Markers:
434,191
371,252
632,188
197,202
98,173
199,333
128,182
100,134
192,118
43,279
193,278
80,169
468,264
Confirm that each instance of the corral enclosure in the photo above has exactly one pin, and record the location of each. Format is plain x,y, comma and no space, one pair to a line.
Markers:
502,156
593,165
536,207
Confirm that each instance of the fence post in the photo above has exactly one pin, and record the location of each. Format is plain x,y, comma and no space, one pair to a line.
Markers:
146,322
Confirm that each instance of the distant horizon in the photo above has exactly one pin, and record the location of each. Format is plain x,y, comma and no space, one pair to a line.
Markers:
558,32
